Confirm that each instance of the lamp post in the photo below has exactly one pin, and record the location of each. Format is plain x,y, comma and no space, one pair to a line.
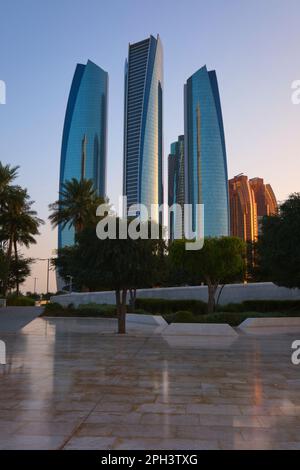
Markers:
48,270
34,289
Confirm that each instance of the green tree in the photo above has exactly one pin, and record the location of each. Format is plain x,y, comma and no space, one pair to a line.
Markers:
19,224
278,245
118,264
220,261
76,206
19,271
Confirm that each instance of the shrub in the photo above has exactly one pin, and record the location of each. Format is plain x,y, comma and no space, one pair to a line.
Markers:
21,301
184,316
88,310
262,306
165,306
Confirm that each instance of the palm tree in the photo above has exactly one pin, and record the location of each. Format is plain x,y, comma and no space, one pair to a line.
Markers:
76,206
19,223
7,175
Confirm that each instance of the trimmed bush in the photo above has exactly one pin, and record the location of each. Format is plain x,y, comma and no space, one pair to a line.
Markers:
88,310
165,306
262,306
185,317
232,318
21,301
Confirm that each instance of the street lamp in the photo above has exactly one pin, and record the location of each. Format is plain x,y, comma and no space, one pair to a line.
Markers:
34,290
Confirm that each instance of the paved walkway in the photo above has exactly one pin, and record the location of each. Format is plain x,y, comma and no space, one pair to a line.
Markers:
67,386
13,319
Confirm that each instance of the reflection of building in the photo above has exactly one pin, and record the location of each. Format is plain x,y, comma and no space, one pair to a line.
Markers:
243,215
143,148
83,152
250,200
206,179
176,187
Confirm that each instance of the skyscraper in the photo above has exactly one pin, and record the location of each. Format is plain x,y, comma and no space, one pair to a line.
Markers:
143,135
176,188
243,209
250,201
265,199
83,151
205,153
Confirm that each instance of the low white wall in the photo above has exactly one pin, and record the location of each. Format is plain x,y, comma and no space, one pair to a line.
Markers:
231,293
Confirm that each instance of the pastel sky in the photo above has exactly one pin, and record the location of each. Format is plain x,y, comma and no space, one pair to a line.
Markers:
253,46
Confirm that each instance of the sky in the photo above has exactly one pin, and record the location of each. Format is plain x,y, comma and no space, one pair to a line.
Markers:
253,46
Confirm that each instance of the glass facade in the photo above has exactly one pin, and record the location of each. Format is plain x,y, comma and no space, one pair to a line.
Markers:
206,179
83,153
143,170
176,187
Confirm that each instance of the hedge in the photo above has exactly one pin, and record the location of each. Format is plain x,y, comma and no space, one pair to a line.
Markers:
21,301
165,306
88,310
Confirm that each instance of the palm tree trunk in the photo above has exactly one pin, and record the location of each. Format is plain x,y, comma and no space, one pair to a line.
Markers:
17,259
8,257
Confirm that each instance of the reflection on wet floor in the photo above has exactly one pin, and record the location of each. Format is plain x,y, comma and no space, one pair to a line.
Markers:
74,383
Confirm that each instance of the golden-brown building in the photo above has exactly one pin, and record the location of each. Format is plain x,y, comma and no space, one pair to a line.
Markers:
243,215
249,200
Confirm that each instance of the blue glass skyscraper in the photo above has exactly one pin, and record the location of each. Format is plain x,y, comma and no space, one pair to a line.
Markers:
83,152
143,148
206,180
176,187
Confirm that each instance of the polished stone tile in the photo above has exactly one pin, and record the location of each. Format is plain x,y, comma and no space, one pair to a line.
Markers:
75,384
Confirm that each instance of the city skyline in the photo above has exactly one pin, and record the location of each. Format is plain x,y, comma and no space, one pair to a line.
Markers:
254,99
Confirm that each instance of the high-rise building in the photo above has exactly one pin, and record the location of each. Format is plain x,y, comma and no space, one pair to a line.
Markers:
243,212
250,201
176,187
206,179
264,196
83,151
143,134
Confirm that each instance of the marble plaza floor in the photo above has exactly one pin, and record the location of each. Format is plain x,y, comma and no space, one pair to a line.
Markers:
74,384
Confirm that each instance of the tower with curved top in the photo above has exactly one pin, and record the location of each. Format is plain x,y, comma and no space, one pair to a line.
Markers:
83,151
206,179
143,135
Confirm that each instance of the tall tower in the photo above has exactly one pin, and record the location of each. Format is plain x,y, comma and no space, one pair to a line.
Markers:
243,209
143,130
205,153
176,187
83,151
265,199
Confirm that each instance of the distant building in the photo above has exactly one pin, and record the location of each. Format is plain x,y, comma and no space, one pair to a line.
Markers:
243,213
176,188
250,201
143,134
83,151
265,199
206,180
